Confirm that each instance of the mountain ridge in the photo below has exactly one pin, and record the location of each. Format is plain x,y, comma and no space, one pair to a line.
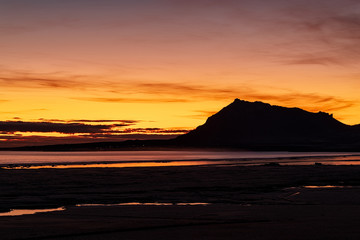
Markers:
258,124
248,126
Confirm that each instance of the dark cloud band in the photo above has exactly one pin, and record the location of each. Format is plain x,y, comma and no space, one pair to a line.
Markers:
69,128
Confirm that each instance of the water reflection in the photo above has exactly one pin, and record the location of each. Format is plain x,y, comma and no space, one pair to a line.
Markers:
123,165
193,204
20,212
144,204
326,186
318,161
45,158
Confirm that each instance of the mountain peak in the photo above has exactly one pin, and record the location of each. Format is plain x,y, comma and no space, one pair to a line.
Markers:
244,123
244,103
239,101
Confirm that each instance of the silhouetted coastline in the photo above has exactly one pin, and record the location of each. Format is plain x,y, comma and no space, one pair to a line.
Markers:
244,125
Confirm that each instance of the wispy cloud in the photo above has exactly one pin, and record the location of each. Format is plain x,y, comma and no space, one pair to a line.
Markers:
201,114
69,128
133,100
122,91
309,101
310,59
167,92
19,140
338,26
155,130
30,80
328,37
125,122
193,93
79,127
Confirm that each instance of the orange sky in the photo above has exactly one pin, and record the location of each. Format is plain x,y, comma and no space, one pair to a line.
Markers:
171,64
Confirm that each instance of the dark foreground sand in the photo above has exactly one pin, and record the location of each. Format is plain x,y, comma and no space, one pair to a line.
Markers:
263,202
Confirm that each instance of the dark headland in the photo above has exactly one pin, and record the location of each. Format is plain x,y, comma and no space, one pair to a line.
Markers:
248,126
258,125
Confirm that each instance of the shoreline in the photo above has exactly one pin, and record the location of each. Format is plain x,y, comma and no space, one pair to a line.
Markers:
37,188
283,200
327,158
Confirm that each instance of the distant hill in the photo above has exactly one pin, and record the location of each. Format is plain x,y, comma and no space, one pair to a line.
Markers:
245,125
258,125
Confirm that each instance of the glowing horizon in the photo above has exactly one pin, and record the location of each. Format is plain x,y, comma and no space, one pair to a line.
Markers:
163,67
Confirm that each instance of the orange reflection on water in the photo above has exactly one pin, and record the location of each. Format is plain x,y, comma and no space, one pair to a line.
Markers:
193,204
144,204
325,186
20,212
123,165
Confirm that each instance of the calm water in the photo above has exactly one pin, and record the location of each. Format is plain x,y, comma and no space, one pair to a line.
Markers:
173,158
20,212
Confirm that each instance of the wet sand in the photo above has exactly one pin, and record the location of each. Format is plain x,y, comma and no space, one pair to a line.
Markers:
253,202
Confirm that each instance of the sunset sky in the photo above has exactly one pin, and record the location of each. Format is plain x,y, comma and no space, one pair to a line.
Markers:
100,70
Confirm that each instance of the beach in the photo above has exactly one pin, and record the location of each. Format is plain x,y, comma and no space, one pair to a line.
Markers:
187,202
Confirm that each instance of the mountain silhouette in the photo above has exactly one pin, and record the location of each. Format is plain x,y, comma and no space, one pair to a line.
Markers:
245,125
263,126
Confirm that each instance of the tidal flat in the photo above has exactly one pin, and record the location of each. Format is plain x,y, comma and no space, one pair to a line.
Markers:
254,202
